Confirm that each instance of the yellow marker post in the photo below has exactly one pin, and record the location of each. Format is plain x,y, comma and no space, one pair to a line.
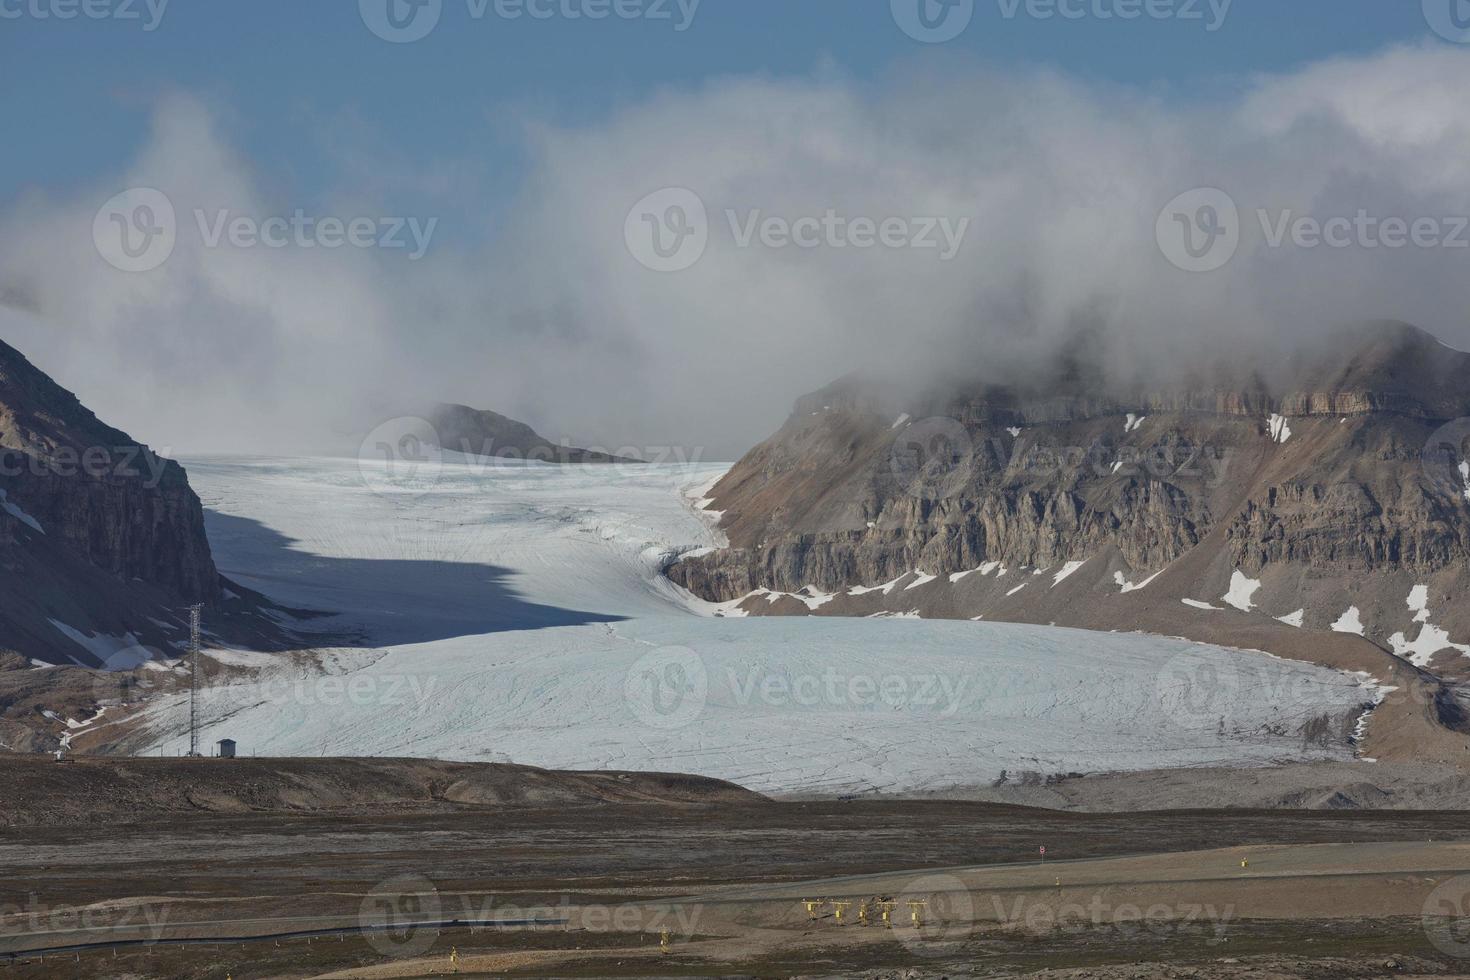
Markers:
811,909
454,958
838,909
1245,864
665,941
885,912
916,913
863,914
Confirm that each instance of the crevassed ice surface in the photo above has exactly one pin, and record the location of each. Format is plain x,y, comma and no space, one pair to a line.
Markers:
515,612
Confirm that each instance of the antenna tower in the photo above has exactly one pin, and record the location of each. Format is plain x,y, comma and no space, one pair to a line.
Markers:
194,613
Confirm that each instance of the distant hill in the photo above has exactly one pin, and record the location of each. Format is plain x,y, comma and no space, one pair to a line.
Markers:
476,432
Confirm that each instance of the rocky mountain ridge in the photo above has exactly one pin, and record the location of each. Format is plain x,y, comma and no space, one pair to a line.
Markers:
1334,497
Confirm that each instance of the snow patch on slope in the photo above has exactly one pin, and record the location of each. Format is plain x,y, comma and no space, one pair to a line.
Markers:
1431,639
885,588
115,652
1418,603
1126,586
1241,591
14,511
1067,570
1349,622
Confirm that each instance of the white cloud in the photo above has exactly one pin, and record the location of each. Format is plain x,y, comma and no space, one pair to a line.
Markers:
556,322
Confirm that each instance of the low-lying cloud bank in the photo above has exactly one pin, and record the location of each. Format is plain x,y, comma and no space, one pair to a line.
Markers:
961,220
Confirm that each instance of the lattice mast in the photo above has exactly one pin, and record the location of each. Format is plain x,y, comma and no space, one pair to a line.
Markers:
194,614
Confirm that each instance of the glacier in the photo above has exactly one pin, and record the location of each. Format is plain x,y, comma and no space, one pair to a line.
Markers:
516,612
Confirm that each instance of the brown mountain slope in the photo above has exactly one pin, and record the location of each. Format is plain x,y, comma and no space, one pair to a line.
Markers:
1333,495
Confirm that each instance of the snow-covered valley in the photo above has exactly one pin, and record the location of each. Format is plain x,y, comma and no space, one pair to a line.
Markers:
516,612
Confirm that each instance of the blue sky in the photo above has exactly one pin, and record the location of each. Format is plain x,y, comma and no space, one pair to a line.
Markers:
533,145
302,80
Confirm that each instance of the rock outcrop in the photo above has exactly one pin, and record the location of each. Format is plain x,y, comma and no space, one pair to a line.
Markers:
1335,495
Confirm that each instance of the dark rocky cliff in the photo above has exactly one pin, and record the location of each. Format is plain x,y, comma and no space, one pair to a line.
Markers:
95,530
